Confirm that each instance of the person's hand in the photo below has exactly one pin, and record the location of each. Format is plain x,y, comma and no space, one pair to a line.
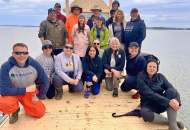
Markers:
51,79
107,71
89,83
174,104
116,73
76,81
34,99
94,78
31,88
72,81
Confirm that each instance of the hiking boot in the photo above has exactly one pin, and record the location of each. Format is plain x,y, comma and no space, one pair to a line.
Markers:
44,97
71,89
59,91
136,96
14,116
87,93
115,92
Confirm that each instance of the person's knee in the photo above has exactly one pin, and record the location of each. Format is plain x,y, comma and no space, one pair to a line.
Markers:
171,93
147,115
40,112
57,81
80,89
124,88
96,89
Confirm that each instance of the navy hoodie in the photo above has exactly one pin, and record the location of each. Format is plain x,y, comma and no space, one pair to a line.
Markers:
14,79
135,31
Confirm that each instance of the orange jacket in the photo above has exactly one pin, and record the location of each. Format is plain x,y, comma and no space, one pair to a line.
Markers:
71,21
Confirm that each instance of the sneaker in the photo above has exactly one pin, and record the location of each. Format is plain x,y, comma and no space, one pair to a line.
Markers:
115,92
87,93
136,96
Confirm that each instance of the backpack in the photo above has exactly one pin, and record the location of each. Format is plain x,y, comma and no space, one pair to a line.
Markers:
148,57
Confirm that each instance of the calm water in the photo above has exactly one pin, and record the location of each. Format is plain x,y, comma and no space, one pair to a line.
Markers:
170,46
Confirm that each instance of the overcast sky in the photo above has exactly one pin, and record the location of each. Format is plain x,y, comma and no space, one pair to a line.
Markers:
156,13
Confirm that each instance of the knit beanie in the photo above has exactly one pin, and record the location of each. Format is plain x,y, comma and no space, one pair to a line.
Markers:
81,15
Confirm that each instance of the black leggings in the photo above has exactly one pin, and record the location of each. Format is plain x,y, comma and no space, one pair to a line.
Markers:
148,110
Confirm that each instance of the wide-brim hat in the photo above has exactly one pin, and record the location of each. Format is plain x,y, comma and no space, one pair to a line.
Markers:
96,7
76,6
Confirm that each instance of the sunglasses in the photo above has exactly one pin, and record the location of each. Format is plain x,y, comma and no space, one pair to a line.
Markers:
58,6
19,53
96,43
76,9
46,47
67,47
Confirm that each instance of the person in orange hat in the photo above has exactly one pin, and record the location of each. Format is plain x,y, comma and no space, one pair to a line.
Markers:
73,19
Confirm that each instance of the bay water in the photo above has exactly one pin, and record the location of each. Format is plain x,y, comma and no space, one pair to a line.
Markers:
172,47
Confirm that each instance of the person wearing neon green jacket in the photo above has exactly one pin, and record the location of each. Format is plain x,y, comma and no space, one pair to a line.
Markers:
101,32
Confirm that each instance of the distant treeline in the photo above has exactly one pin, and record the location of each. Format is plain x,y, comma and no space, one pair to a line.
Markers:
162,28
168,28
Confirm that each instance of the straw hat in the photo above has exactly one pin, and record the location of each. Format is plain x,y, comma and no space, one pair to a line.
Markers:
76,6
96,7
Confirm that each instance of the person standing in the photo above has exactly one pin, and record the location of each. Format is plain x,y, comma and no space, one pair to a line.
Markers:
54,30
60,16
46,60
96,12
116,5
17,83
80,35
135,30
101,32
110,20
73,19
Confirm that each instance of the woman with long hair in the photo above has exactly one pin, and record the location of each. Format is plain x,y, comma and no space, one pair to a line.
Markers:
80,35
157,96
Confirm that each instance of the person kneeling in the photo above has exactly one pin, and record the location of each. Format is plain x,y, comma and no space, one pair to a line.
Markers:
157,96
17,83
93,70
68,70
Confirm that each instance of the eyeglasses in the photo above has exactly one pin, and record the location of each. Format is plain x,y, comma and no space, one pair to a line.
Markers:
96,43
67,47
76,9
58,6
46,47
19,53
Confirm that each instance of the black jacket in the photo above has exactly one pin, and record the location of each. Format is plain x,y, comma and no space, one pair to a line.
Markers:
109,21
119,59
94,67
154,91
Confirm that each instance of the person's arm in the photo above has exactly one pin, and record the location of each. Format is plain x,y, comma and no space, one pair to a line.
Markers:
100,68
67,24
121,65
141,61
85,68
5,84
58,69
66,34
42,79
79,73
105,61
73,32
42,31
142,32
150,94
106,33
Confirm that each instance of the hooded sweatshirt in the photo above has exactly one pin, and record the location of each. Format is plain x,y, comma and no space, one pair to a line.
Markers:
14,79
135,31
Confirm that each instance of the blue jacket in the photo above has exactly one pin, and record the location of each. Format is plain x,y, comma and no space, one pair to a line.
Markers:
135,65
135,31
14,79
119,59
90,22
94,67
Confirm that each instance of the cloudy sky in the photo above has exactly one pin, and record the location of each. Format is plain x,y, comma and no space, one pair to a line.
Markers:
156,13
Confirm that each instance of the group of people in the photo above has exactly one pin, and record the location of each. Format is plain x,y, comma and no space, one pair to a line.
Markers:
76,52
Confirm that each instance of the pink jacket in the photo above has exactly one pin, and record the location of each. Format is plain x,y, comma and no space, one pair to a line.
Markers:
81,41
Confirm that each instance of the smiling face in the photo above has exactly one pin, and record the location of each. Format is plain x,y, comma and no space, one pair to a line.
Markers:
68,49
96,12
47,50
99,22
114,45
115,5
52,15
81,20
92,52
151,68
76,11
119,16
134,15
112,13
96,43
21,58
57,9
133,50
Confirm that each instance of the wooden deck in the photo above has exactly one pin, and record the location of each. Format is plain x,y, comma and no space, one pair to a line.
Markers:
74,112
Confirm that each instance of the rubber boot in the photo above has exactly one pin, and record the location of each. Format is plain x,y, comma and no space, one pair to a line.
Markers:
163,120
136,96
59,91
172,115
14,116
